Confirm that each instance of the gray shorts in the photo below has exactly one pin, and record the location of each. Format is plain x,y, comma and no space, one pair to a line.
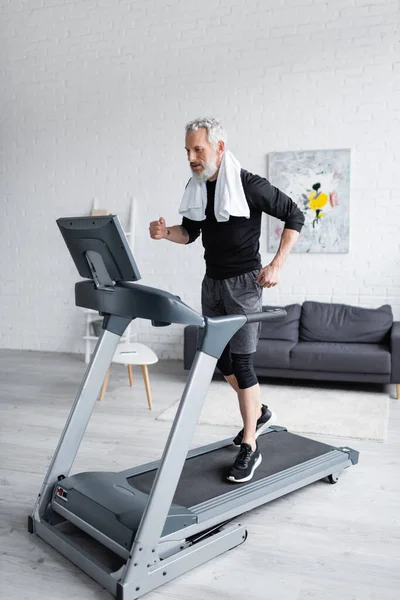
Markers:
236,295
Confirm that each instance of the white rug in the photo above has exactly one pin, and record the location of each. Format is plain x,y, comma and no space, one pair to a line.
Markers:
329,412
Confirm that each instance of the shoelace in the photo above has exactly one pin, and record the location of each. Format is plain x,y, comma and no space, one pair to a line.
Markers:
243,456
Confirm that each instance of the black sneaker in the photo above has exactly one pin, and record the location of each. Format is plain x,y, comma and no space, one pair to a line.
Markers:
245,464
266,419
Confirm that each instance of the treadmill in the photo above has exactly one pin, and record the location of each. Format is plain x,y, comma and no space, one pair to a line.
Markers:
135,530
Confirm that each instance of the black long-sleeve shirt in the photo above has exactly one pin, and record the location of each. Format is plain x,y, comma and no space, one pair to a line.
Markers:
232,247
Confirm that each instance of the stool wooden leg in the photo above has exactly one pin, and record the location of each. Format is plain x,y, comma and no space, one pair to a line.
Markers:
130,375
147,384
103,387
398,391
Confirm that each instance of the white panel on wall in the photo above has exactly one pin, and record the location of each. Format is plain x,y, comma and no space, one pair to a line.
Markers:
95,95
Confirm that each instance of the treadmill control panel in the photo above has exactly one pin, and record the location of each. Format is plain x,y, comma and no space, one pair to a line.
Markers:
61,493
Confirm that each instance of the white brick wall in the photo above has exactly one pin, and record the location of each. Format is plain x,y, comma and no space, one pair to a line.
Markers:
94,98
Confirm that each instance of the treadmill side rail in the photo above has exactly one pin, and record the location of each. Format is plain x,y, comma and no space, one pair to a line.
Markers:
353,454
244,498
268,489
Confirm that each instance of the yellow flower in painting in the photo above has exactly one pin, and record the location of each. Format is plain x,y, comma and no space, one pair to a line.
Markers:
317,200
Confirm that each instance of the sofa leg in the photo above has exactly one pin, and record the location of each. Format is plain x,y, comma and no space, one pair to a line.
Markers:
398,391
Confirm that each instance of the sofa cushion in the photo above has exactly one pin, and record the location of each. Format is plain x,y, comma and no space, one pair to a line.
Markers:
324,322
273,354
339,357
285,329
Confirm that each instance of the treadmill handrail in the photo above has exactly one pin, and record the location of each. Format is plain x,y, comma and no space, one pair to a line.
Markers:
219,330
271,314
134,300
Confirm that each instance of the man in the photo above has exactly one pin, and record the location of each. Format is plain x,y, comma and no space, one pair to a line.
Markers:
225,203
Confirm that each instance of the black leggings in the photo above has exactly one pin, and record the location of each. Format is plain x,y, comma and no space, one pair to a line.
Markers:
240,365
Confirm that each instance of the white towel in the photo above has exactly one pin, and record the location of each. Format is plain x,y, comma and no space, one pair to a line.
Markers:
229,195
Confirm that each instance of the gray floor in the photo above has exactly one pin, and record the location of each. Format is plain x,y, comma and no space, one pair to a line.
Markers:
325,542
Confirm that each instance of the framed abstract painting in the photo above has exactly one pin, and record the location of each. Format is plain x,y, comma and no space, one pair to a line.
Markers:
319,182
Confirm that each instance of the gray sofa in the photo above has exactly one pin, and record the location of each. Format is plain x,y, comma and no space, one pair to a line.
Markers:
323,341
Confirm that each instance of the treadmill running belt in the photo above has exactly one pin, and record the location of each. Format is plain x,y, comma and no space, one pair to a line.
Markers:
204,477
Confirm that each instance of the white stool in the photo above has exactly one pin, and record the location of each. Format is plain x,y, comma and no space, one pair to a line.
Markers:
133,354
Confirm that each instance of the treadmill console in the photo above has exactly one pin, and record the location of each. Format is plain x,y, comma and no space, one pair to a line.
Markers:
99,249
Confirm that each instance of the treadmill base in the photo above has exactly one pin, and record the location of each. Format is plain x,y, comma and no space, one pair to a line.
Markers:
228,537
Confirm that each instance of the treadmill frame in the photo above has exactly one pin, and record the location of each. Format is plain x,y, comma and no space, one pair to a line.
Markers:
153,560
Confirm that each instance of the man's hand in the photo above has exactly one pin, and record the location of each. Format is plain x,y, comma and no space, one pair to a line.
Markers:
158,229
269,276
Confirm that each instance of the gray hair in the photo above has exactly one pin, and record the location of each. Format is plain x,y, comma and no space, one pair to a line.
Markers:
215,129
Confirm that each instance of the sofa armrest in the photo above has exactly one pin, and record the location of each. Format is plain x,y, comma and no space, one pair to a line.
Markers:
191,342
395,351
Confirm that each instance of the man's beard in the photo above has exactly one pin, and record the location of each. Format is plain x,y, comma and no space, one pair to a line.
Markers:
210,168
